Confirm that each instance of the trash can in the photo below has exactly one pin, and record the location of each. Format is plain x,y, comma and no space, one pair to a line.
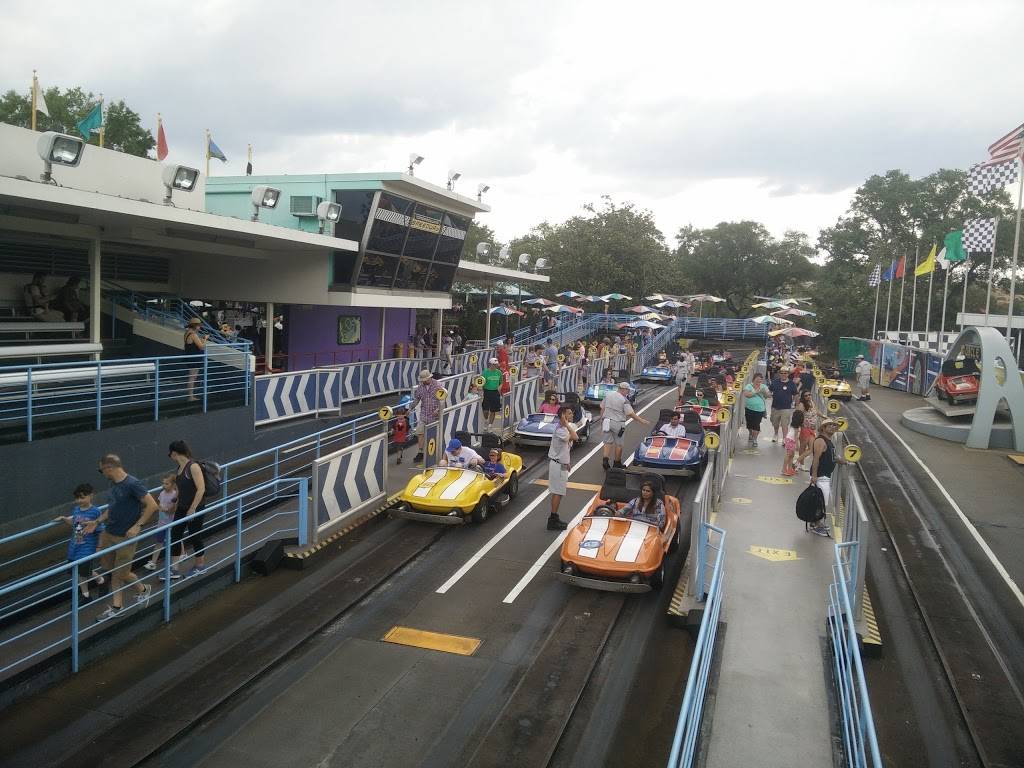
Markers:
399,350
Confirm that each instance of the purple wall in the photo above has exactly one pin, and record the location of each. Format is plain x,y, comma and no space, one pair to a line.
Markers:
313,334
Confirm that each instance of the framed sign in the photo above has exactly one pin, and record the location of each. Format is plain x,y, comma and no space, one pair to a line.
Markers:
350,329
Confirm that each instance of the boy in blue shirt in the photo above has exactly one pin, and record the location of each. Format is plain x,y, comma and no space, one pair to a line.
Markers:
493,468
82,545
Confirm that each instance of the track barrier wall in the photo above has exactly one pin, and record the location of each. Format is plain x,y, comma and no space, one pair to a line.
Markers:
348,482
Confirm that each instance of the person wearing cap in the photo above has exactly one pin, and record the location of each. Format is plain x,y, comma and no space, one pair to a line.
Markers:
460,456
616,410
195,345
823,464
493,468
492,391
425,396
863,373
559,465
783,391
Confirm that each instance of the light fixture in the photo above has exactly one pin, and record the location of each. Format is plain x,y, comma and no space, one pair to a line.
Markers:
178,177
264,197
58,149
483,251
453,176
328,212
542,264
414,160
480,189
524,260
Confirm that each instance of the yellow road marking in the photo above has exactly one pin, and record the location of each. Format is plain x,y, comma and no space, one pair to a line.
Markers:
434,641
772,480
1016,458
740,500
578,486
773,554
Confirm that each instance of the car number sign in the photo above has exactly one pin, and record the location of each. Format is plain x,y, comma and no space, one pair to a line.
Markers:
843,423
723,415
833,406
852,453
711,440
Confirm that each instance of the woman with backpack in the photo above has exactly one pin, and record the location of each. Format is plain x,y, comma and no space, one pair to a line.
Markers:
823,465
191,490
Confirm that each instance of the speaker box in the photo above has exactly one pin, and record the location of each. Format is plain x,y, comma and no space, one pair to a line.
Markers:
269,557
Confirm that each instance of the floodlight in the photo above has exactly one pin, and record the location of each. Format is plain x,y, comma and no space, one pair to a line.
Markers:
542,264
453,176
483,249
480,189
264,197
60,149
524,260
178,177
414,160
327,212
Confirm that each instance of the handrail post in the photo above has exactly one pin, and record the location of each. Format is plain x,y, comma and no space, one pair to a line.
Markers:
167,572
206,379
28,403
99,395
303,519
156,389
277,463
74,618
238,543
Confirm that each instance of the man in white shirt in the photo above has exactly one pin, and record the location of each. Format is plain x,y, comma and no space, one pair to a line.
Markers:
460,456
616,410
863,373
675,427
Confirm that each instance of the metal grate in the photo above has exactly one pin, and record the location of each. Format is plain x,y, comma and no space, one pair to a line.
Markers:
67,259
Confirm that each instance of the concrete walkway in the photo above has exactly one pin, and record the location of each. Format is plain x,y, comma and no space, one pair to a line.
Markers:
771,706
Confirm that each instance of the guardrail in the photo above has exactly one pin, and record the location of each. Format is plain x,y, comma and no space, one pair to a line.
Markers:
25,645
30,394
860,742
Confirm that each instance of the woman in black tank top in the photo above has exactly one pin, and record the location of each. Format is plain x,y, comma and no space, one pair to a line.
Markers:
191,489
195,345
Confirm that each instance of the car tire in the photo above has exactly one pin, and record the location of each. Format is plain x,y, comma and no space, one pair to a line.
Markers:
512,487
673,545
658,577
481,510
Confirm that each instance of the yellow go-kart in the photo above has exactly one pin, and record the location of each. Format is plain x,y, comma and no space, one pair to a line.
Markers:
455,496
841,390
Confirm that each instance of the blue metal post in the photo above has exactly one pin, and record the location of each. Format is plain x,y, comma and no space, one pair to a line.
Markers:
206,379
167,574
74,618
303,521
99,395
156,390
245,360
238,544
702,558
224,481
277,463
28,403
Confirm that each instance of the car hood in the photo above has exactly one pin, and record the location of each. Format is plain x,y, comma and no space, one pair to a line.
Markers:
659,370
545,423
613,543
442,485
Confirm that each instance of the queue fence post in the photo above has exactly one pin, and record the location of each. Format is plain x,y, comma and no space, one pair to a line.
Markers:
99,396
238,543
206,380
28,404
303,518
167,574
156,389
74,617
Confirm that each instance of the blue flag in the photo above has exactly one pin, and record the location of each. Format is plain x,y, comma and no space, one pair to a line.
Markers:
91,122
212,150
890,273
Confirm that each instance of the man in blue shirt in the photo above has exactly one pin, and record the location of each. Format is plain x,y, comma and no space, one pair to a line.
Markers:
130,507
783,391
551,363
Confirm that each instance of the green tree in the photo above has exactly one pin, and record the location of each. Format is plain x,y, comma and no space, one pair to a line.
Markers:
123,131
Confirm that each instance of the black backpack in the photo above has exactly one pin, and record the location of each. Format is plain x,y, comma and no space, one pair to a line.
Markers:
211,477
810,504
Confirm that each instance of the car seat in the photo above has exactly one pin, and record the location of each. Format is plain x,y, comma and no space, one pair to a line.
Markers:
490,440
691,421
711,396
466,438
615,487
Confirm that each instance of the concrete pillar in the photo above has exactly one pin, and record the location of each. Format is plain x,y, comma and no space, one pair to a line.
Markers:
383,328
268,348
437,331
95,292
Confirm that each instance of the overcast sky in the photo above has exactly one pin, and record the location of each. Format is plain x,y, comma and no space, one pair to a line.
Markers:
701,112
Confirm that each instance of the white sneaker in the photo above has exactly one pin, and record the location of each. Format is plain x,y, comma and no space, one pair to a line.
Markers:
110,613
150,566
145,594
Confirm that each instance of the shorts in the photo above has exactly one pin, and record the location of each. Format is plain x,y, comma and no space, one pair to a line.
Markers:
119,562
781,417
789,444
754,419
806,433
863,381
558,477
825,484
614,436
492,400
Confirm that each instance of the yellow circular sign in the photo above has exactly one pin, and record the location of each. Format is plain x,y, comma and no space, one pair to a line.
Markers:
729,398
508,411
833,406
852,453
473,359
513,370
826,391
843,423
711,440
561,358
441,393
537,363
385,413
722,415
479,381
431,446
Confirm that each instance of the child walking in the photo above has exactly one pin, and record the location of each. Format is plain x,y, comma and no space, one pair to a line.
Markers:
400,432
167,502
82,545
789,442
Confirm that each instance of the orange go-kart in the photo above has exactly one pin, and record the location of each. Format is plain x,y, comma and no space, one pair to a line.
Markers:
613,553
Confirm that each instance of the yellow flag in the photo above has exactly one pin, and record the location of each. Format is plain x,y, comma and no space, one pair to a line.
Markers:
927,265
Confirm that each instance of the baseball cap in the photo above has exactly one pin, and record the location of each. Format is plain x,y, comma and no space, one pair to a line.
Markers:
860,357
454,445
493,360
425,374
195,321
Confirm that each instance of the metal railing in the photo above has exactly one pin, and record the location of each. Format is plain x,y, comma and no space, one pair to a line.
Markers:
30,394
28,644
171,311
860,743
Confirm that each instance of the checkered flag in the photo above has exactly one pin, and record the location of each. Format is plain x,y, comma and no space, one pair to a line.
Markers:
875,277
980,235
983,178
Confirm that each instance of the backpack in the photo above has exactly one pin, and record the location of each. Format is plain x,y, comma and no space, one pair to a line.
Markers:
810,504
211,477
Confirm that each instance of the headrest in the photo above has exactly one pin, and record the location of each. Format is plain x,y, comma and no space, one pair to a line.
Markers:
463,437
615,486
490,440
665,415
691,421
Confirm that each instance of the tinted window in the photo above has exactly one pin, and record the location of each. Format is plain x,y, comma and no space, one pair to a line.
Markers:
355,210
342,265
390,224
424,230
453,236
378,270
412,274
441,277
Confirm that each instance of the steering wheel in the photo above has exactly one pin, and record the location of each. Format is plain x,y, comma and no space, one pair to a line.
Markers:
660,432
603,511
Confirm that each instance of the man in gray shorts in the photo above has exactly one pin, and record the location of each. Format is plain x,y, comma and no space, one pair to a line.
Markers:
558,465
616,410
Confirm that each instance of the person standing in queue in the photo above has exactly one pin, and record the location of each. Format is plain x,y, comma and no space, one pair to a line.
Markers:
823,465
492,391
754,395
863,373
783,393
551,364
559,465
425,396
616,410
195,345
191,490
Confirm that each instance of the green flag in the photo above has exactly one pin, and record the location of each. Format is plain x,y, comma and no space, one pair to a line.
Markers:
91,122
954,247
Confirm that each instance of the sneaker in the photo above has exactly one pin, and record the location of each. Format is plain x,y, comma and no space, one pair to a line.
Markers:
174,576
145,594
418,457
818,530
620,465
198,569
555,523
788,472
97,576
150,566
110,613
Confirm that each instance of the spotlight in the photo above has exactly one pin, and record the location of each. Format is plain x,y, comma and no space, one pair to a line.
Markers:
264,197
414,160
178,177
483,251
480,189
328,212
58,149
453,176
542,264
524,260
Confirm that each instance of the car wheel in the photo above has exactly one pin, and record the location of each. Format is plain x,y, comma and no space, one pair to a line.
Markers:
481,510
658,577
513,485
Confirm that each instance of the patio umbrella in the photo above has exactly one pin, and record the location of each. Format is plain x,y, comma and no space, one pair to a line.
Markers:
701,298
771,320
793,312
501,309
645,324
671,304
656,297
591,298
569,295
540,302
641,309
615,297
793,333
559,308
771,305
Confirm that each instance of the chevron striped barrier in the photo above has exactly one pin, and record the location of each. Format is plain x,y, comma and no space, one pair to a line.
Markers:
458,386
597,370
347,483
525,395
286,396
567,378
463,417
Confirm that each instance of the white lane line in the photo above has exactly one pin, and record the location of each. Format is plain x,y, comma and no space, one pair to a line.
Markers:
956,508
479,554
552,548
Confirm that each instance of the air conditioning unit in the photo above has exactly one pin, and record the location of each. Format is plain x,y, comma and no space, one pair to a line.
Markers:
304,205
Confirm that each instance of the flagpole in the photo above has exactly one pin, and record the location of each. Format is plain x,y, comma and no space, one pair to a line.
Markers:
35,85
1016,245
888,299
991,268
207,153
874,321
913,300
963,304
102,126
928,313
899,317
942,320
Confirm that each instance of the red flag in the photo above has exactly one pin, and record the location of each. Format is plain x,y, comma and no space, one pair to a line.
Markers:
161,141
901,266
